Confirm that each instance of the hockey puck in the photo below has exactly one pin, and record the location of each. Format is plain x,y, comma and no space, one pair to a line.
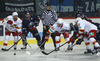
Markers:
14,53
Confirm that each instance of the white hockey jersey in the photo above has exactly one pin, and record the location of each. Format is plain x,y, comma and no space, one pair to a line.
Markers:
15,26
85,26
65,27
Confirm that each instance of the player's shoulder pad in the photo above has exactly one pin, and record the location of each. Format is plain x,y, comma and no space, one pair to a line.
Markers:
10,17
65,24
19,20
55,24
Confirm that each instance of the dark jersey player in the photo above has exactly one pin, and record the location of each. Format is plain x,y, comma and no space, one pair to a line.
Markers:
29,24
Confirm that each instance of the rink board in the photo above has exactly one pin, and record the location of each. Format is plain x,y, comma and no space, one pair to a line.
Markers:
29,41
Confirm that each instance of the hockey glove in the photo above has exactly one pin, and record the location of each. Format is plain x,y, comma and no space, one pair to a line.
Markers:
79,36
9,22
79,41
20,34
47,37
72,39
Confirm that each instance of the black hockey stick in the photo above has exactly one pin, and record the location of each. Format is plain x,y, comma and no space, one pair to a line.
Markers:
72,47
53,50
13,45
31,53
29,45
23,38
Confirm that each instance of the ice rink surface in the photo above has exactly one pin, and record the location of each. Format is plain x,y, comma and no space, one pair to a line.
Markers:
34,54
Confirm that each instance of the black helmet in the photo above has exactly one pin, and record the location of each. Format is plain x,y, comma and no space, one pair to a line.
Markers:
26,12
84,17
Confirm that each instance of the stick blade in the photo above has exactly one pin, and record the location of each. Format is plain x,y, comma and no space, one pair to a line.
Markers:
44,53
7,50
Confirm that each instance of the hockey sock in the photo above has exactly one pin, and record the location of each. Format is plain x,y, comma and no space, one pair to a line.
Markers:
57,45
15,41
6,41
57,39
87,45
94,42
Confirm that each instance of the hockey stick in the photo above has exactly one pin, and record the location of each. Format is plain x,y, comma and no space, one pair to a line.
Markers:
29,45
53,50
13,45
36,49
24,39
72,47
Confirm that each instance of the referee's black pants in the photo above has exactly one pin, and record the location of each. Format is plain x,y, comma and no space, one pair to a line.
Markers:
44,34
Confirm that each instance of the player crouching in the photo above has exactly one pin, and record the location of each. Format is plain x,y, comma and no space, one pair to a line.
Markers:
87,31
13,25
60,27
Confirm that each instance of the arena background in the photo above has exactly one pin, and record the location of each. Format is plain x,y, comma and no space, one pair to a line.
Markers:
65,9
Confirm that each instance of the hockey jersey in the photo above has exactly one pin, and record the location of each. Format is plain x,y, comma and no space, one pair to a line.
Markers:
15,26
65,27
85,26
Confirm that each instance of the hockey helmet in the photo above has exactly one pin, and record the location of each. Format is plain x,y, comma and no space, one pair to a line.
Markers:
14,14
60,21
78,19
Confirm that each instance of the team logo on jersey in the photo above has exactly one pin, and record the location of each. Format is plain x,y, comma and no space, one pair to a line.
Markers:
31,18
79,27
91,34
52,28
50,14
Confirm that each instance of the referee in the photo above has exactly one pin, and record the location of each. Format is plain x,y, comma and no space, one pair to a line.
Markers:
49,17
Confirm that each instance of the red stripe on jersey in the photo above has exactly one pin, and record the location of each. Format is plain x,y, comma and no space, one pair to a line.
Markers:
48,32
94,42
81,30
87,43
58,41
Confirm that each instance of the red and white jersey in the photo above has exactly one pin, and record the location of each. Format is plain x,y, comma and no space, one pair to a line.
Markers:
85,26
65,27
15,26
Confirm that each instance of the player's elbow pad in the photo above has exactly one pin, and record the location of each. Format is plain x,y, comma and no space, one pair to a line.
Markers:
51,30
81,31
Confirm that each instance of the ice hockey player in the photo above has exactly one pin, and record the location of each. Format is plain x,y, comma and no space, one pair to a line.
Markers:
60,27
87,31
29,24
98,32
84,17
79,41
74,28
13,26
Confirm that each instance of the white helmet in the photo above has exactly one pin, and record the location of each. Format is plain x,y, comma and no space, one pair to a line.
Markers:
14,14
60,21
78,19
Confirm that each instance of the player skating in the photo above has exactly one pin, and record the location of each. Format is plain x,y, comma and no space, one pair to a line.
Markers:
87,31
29,24
12,26
60,27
